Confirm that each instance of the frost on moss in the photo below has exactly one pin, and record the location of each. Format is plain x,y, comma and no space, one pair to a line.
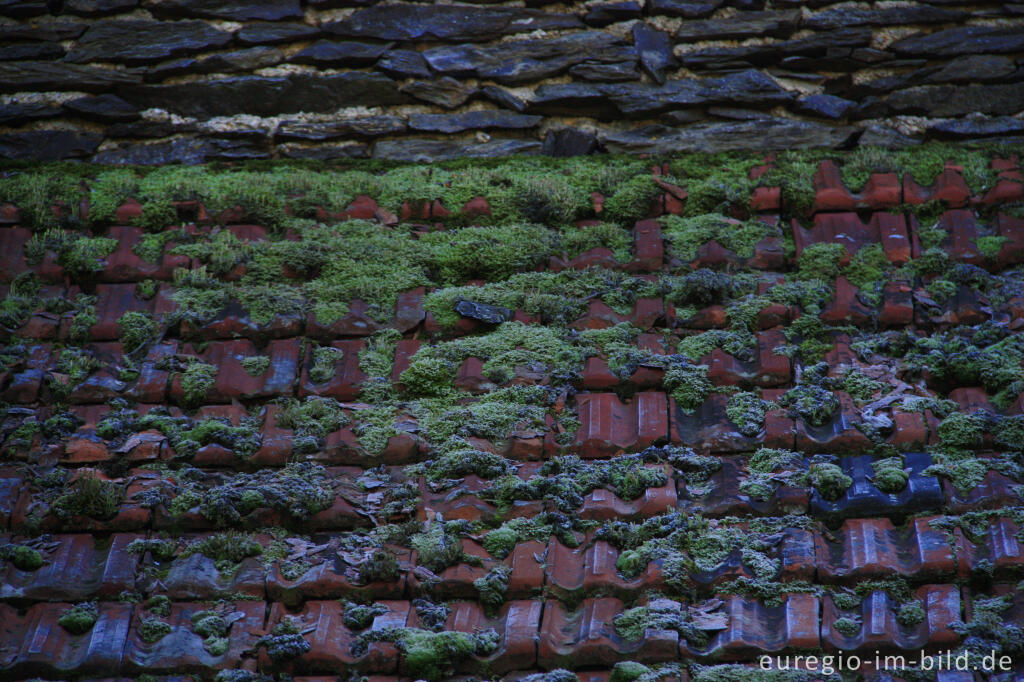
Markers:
812,398
889,475
661,614
196,381
137,329
433,655
688,384
746,410
311,420
256,365
828,479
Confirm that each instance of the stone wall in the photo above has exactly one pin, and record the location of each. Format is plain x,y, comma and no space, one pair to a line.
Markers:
159,81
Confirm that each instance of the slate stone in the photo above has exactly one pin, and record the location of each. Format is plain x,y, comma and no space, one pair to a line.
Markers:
843,17
734,114
969,69
98,8
48,145
722,58
346,53
236,10
491,314
472,120
777,24
148,130
504,98
39,76
883,136
826,106
610,13
188,151
606,73
57,29
106,108
444,92
523,61
965,40
272,33
404,64
567,142
367,126
977,127
682,8
16,113
426,151
325,152
24,8
681,117
447,22
266,96
815,45
17,51
572,99
958,100
774,133
248,59
654,48
138,41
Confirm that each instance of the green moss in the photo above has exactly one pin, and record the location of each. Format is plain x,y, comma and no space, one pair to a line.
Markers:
311,420
226,549
849,626
493,586
89,495
152,630
379,566
438,547
860,386
285,642
80,618
325,363
868,271
84,318
36,193
23,558
910,613
490,253
632,199
746,410
688,384
662,614
989,247
829,480
820,261
628,671
889,475
941,289
137,329
196,381
161,550
734,672
159,605
256,365
376,361
960,430
862,161
715,182
686,235
576,240
458,461
814,404
299,490
432,655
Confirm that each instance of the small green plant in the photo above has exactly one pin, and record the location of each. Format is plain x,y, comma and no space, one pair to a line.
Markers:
196,381
256,365
137,329
89,495
152,630
24,558
80,618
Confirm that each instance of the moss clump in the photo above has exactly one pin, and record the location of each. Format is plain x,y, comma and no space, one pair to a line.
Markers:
910,613
84,318
80,618
311,420
687,235
137,329
299,489
890,476
196,381
811,399
734,672
226,549
159,605
868,272
746,410
376,361
456,462
491,253
325,363
990,630
24,558
632,199
990,247
768,468
379,566
432,655
960,430
256,365
688,384
284,642
360,616
161,550
662,614
493,586
821,261
438,546
152,630
848,626
860,386
829,480
35,195
89,495
214,628
577,240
